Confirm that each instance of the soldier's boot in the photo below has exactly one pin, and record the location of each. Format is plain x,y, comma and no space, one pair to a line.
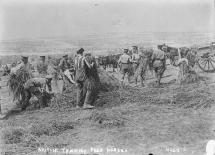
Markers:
135,81
88,100
122,81
158,81
87,106
129,79
142,83
25,100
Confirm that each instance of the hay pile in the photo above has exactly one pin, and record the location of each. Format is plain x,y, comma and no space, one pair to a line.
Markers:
107,93
24,140
108,81
187,74
16,82
194,96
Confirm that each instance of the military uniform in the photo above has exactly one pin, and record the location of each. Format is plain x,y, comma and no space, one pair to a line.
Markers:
135,58
42,68
159,64
22,65
141,68
37,87
64,64
84,86
125,65
64,67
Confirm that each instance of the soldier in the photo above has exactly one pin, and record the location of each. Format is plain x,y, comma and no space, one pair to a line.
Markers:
125,62
82,93
64,68
24,64
40,87
135,57
64,64
158,61
92,82
42,66
143,62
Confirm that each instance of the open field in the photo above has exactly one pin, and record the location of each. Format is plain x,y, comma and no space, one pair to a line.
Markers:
169,120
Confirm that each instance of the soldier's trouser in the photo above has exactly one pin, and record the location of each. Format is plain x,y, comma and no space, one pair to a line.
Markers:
159,72
80,94
135,66
28,92
140,72
67,73
89,97
126,69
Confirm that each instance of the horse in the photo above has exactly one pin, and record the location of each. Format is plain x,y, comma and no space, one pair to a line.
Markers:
172,52
109,61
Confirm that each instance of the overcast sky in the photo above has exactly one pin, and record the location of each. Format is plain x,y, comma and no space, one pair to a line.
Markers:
31,19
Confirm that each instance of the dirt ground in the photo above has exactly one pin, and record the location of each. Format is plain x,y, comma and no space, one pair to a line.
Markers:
138,120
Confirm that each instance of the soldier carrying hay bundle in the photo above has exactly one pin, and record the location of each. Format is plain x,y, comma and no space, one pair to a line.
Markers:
158,63
186,65
65,69
39,87
87,79
22,84
143,62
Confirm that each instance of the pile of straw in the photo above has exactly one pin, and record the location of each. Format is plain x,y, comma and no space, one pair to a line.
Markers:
16,82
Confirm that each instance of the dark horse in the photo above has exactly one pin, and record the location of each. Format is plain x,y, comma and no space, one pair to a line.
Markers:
109,61
172,52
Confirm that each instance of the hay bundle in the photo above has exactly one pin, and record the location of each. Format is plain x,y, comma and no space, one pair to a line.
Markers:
108,81
186,74
16,82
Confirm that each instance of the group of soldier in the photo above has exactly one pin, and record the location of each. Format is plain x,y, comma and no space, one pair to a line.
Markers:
138,63
83,74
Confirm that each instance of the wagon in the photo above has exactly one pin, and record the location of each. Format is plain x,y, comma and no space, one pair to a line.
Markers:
206,58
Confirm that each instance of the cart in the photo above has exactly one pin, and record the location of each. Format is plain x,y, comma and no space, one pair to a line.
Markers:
206,58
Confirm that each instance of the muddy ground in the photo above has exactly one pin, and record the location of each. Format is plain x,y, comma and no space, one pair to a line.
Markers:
138,120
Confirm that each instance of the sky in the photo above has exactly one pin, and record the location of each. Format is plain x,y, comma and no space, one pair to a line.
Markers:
53,18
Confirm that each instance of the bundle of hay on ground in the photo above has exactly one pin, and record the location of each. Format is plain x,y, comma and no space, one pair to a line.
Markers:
108,81
16,82
186,74
186,65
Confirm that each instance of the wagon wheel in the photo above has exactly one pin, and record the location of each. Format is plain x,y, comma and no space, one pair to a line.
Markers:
207,63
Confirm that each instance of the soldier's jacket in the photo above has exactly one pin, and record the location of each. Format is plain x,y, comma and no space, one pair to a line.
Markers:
27,67
124,59
42,67
64,64
79,62
35,82
135,58
158,55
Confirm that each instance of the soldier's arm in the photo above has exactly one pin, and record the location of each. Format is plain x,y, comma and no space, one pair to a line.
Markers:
61,65
86,62
129,59
119,61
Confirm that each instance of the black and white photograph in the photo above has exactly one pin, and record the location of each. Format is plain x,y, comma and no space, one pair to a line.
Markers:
107,77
